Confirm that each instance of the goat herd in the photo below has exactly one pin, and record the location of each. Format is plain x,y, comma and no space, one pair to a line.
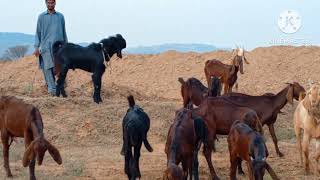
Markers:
240,116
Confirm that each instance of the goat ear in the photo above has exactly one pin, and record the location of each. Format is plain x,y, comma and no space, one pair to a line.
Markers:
306,103
55,154
290,94
28,155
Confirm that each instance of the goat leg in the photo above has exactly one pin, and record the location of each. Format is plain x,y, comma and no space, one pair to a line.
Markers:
305,149
99,87
318,155
95,87
32,168
233,168
275,140
6,146
137,149
207,153
60,83
195,166
271,172
128,157
297,131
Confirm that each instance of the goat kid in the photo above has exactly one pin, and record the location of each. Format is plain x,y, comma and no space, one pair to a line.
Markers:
183,141
18,119
246,144
135,125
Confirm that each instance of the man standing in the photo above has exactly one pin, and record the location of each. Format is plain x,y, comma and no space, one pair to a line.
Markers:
50,28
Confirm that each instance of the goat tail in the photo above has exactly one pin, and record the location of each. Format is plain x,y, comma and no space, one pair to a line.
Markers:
180,79
131,101
147,144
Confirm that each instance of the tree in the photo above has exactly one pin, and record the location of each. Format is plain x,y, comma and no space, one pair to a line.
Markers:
16,52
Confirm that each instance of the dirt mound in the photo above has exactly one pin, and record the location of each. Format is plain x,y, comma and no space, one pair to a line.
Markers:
89,136
156,75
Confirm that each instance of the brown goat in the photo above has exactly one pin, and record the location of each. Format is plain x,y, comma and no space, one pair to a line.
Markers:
18,119
228,73
307,118
246,144
183,141
192,90
220,114
268,106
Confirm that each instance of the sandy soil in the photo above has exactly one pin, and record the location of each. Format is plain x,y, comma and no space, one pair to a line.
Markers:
89,136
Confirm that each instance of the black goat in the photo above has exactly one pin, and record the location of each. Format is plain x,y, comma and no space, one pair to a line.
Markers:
91,58
135,125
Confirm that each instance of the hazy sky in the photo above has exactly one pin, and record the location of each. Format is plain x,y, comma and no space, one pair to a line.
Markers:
223,23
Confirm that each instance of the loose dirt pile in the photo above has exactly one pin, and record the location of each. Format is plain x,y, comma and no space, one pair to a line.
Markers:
89,136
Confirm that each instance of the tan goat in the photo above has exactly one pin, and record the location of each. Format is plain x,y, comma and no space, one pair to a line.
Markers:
307,118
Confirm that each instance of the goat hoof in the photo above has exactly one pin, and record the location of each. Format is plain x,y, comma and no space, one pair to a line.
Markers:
216,178
241,173
9,175
57,93
122,152
280,154
64,95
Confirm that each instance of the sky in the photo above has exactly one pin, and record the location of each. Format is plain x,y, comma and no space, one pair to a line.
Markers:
223,23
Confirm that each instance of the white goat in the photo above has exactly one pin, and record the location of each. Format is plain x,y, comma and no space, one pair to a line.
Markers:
307,118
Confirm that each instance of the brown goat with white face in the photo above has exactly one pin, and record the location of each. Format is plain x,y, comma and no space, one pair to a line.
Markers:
227,73
18,119
307,118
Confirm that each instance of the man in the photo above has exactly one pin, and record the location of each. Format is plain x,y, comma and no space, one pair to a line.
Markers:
50,28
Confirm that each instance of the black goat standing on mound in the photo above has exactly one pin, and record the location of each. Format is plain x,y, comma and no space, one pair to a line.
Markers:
135,125
91,59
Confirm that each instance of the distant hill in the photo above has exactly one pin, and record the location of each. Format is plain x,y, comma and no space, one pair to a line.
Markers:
156,49
13,39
